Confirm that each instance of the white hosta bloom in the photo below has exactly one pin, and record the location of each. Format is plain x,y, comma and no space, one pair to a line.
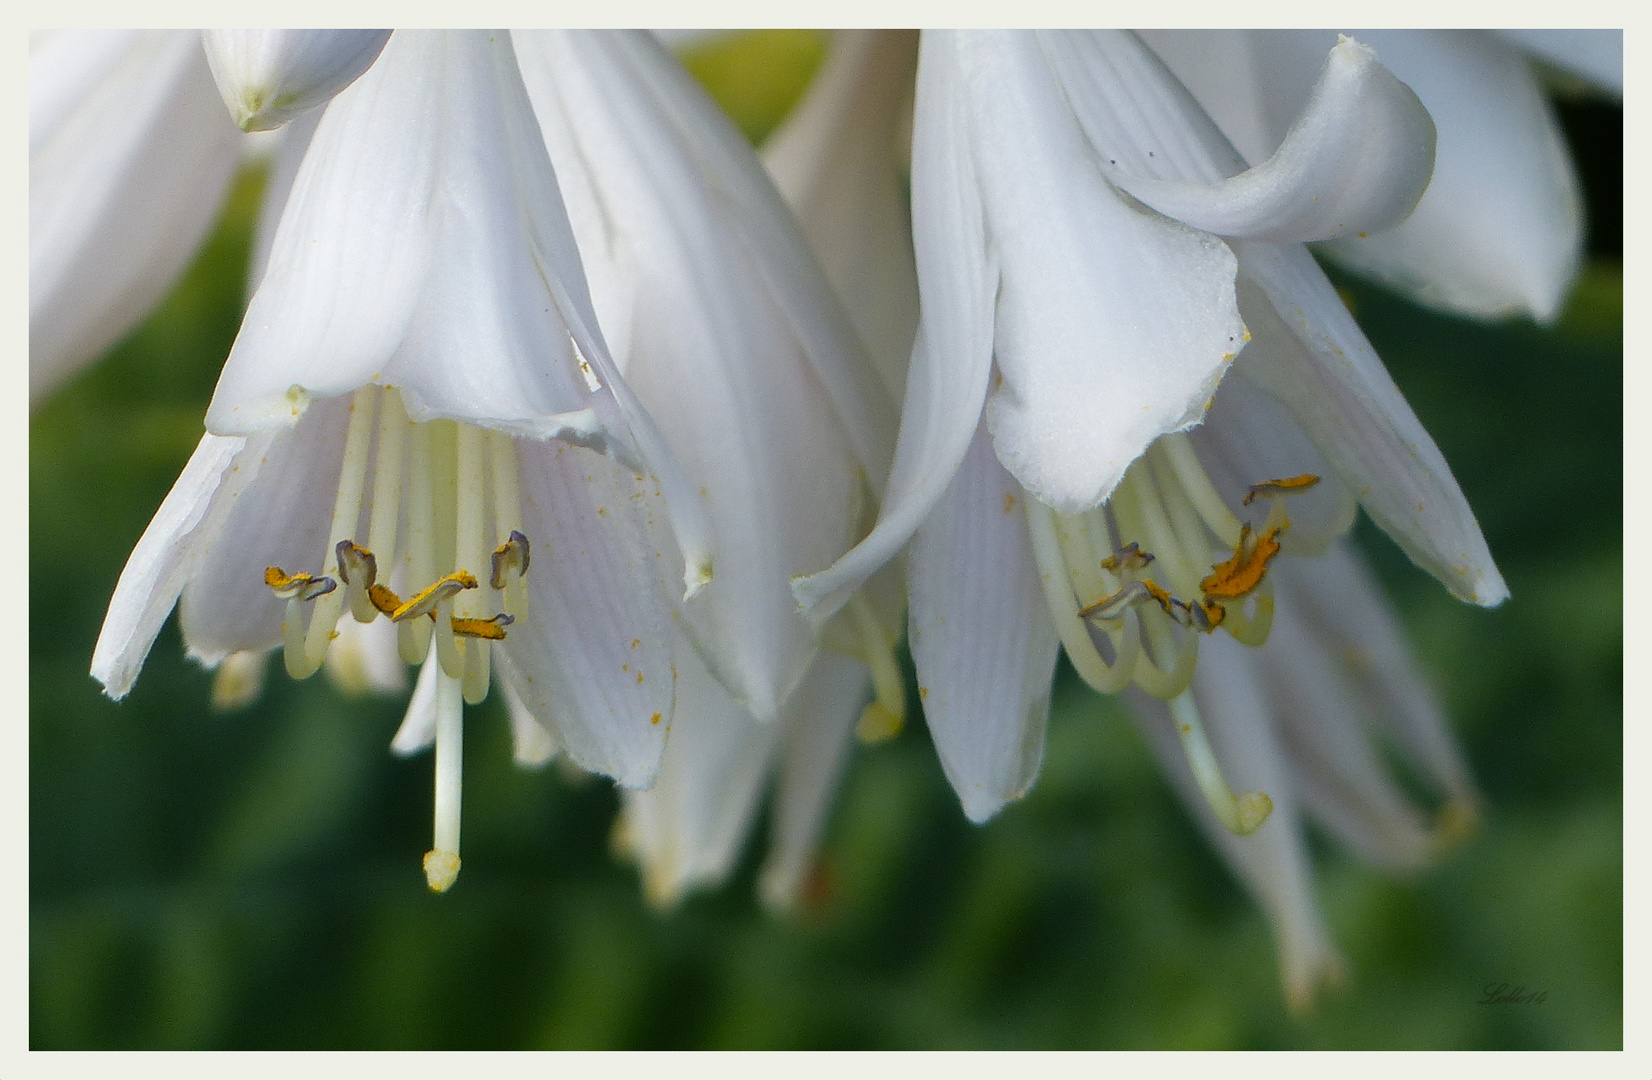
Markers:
130,156
408,426
268,77
729,332
1500,229
1067,469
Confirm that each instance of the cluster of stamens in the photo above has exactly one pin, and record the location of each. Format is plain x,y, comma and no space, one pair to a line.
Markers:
1145,575
428,505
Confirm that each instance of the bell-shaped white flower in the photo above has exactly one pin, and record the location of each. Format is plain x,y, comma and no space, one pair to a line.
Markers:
268,77
409,426
1500,229
727,329
129,160
1042,462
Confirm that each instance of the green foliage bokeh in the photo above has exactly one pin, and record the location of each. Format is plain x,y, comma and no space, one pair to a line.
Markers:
251,879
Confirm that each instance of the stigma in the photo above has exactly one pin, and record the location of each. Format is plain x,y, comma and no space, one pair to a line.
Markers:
442,557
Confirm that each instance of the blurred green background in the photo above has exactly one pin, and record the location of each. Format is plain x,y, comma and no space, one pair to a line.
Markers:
251,879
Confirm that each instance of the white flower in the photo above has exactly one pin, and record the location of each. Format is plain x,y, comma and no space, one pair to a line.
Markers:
1500,229
130,156
421,340
402,427
1083,461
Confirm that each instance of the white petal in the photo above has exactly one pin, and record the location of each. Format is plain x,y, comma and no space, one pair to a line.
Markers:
364,658
167,554
592,660
291,143
788,268
839,160
1597,55
1345,610
818,723
1335,768
1310,354
1272,862
947,380
1113,324
710,349
130,155
268,77
411,254
418,727
532,744
1500,230
1357,158
981,636
282,517
689,827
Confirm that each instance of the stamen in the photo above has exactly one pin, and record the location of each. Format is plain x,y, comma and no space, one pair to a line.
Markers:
1058,598
886,715
1184,460
297,586
471,550
1129,557
1270,488
487,629
413,636
441,863
1240,814
1243,572
1114,607
387,476
352,480
507,517
510,559
425,600
1185,651
383,599
360,570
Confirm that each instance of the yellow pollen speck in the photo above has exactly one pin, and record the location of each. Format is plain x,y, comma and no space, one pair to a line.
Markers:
639,676
635,642
923,693
654,719
1009,501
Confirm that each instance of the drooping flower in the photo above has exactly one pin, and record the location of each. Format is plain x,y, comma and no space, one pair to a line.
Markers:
130,156
1500,229
1118,415
420,420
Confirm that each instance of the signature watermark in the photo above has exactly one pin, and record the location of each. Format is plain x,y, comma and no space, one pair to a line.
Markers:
1504,994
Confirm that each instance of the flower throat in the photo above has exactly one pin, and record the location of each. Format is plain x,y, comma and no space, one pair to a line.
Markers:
1162,562
445,560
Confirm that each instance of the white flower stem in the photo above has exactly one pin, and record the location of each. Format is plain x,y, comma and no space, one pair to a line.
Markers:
1058,597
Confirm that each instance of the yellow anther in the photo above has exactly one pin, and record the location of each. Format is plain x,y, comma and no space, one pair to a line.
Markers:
382,598
297,586
511,555
1114,606
1237,576
1130,557
1158,593
1267,489
355,561
425,600
490,629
